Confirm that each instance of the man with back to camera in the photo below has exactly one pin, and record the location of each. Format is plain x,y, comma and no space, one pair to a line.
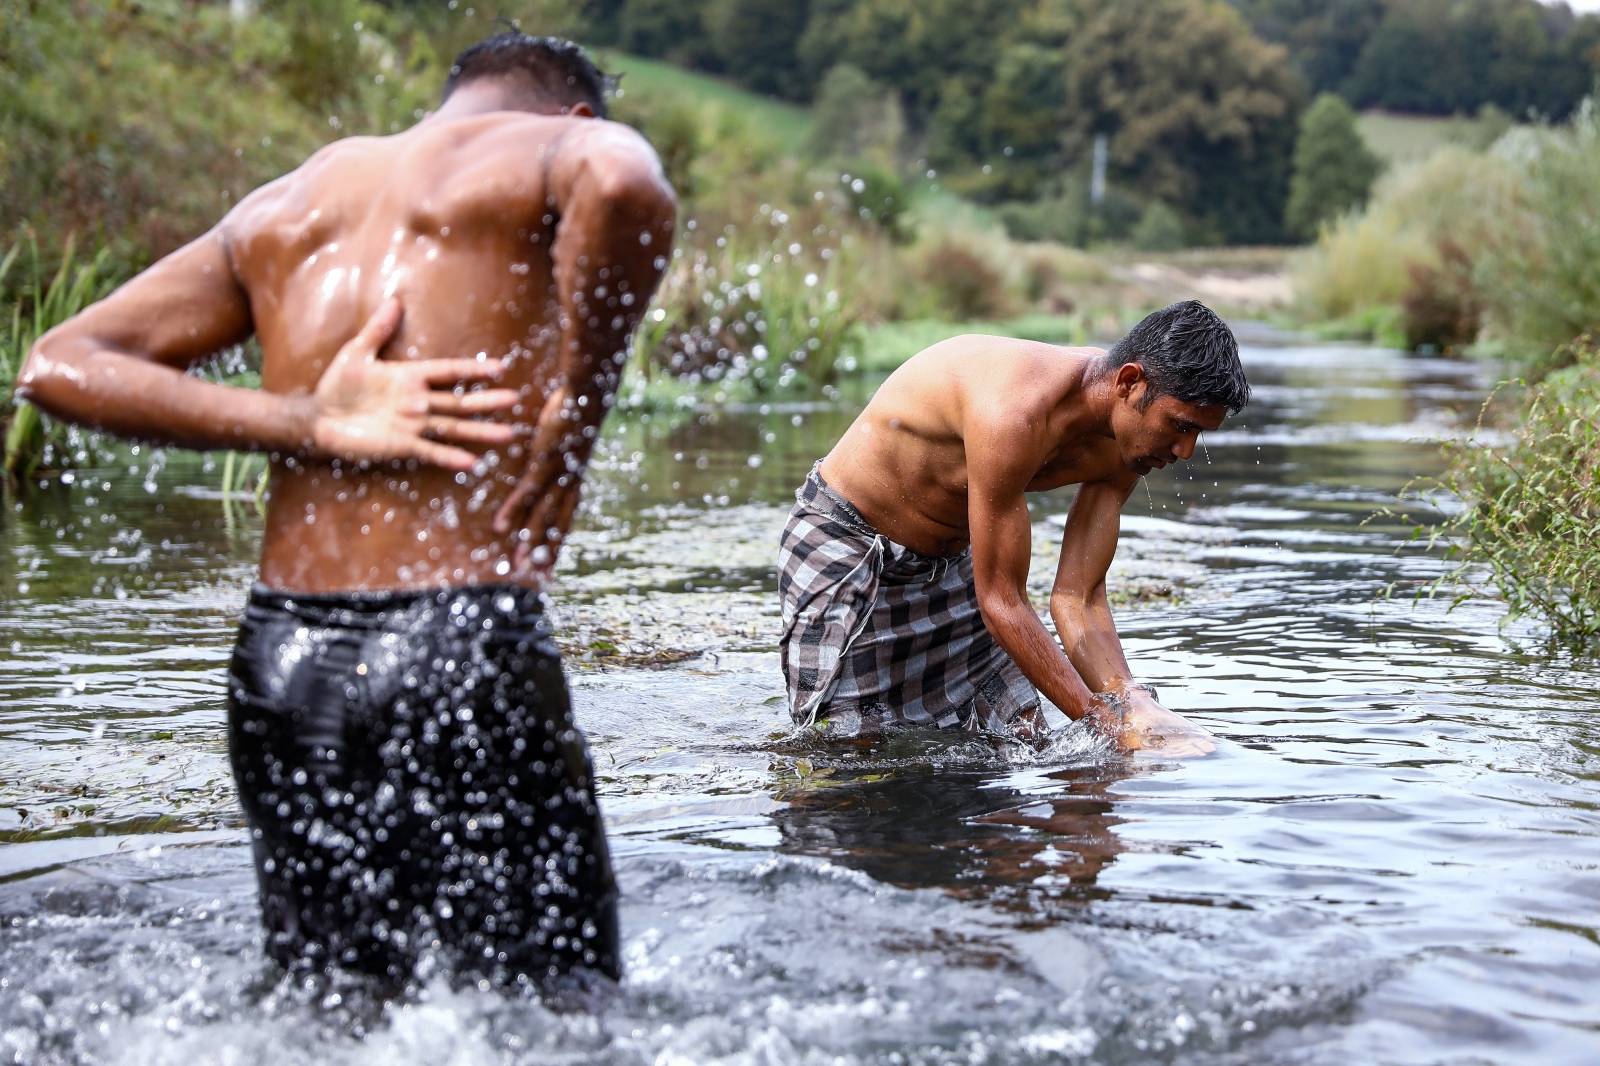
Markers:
399,726
903,568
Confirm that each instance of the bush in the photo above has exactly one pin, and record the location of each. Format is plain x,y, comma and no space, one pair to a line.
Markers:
1533,507
1160,229
1054,276
960,276
1541,274
1441,308
1365,260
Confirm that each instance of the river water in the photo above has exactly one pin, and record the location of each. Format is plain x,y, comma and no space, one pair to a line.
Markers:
1394,856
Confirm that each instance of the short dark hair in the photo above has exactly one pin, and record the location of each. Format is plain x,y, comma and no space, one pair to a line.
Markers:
558,68
1189,353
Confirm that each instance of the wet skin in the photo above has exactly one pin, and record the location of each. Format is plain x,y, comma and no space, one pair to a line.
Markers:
442,313
943,457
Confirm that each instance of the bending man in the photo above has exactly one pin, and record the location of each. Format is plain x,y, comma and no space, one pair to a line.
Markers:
904,566
399,726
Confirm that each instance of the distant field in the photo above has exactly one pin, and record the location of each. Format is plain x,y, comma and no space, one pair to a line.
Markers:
1410,138
644,76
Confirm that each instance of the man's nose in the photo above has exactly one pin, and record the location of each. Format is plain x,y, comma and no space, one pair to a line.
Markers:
1185,448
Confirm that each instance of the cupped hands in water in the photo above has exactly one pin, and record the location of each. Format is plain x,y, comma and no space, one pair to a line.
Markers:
1138,723
369,409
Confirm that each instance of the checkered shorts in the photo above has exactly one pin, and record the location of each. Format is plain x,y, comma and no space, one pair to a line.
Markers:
873,627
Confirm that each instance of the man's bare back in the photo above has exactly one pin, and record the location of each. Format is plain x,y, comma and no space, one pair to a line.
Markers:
452,218
468,223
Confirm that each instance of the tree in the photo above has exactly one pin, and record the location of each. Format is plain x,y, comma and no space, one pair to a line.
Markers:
1023,115
1333,168
754,42
1199,112
855,118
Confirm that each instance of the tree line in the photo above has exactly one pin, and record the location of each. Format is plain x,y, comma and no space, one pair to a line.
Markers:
1198,102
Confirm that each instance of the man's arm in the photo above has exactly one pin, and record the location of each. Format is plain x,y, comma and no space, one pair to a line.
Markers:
999,468
1078,603
1082,615
615,216
120,365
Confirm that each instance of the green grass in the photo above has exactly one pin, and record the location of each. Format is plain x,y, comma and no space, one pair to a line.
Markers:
1400,139
648,77
885,347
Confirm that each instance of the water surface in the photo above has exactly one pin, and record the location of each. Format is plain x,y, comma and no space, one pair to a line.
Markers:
1392,858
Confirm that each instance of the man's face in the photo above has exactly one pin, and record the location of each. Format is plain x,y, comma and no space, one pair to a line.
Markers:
1163,431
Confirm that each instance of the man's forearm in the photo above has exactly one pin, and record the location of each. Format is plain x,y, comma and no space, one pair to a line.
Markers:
1089,638
138,399
1022,636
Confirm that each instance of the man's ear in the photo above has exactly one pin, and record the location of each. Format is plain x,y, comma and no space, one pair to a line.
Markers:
580,109
1127,378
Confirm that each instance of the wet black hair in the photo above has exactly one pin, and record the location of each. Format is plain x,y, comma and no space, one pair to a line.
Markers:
1189,353
558,68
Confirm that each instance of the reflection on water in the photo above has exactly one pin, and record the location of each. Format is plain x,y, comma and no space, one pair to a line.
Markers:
1392,858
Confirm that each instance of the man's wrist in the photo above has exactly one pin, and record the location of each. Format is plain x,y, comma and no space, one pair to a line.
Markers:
302,421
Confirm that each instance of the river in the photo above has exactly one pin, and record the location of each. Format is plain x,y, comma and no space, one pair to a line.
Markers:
1393,857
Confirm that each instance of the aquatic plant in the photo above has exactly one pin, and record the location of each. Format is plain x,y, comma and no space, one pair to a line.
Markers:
1532,520
43,301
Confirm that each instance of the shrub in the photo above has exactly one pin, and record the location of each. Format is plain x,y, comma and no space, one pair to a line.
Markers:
1364,260
1541,274
1533,507
1333,167
1160,229
1441,308
961,278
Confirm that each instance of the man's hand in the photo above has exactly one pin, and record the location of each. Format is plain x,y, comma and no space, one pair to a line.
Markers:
370,409
1138,723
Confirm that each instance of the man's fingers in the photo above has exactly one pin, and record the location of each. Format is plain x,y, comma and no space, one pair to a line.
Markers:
450,371
377,330
470,431
443,455
508,514
473,403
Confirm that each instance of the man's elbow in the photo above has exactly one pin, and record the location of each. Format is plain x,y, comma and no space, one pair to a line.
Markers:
999,607
639,191
1070,609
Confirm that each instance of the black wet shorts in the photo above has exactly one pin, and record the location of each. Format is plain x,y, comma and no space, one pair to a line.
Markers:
416,788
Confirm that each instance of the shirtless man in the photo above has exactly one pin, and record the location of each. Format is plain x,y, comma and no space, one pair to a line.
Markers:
399,727
904,566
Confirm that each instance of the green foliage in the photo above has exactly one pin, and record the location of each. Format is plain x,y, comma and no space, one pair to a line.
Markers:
754,42
855,118
45,299
136,126
1365,260
760,311
1211,138
1533,508
1333,168
1541,273
1515,54
1511,53
879,197
961,276
1160,229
